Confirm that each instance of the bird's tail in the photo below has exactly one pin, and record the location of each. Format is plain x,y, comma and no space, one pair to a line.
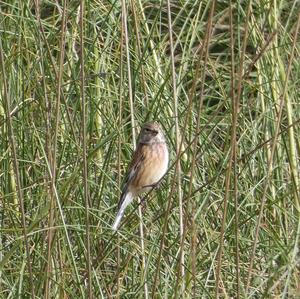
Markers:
124,203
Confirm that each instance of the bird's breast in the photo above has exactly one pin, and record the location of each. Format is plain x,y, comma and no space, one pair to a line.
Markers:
155,164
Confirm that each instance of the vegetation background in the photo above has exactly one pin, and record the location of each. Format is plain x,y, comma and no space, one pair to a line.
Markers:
78,78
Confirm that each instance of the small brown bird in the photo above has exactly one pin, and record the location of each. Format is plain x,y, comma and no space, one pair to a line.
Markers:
149,164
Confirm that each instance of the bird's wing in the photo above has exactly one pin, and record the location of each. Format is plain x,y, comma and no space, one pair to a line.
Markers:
133,170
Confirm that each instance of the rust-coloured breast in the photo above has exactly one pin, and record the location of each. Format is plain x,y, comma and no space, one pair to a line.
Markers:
152,166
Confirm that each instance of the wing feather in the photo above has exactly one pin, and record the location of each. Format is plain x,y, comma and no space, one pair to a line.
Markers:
133,170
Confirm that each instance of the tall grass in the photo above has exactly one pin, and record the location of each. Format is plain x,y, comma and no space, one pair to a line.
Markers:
78,79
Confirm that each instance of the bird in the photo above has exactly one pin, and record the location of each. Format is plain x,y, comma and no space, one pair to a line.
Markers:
147,167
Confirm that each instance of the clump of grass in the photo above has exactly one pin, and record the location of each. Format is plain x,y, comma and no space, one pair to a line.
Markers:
78,80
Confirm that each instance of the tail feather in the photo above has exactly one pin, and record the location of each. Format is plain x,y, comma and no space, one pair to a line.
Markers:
124,203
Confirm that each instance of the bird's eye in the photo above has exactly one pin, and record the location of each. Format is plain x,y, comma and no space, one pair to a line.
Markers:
152,132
